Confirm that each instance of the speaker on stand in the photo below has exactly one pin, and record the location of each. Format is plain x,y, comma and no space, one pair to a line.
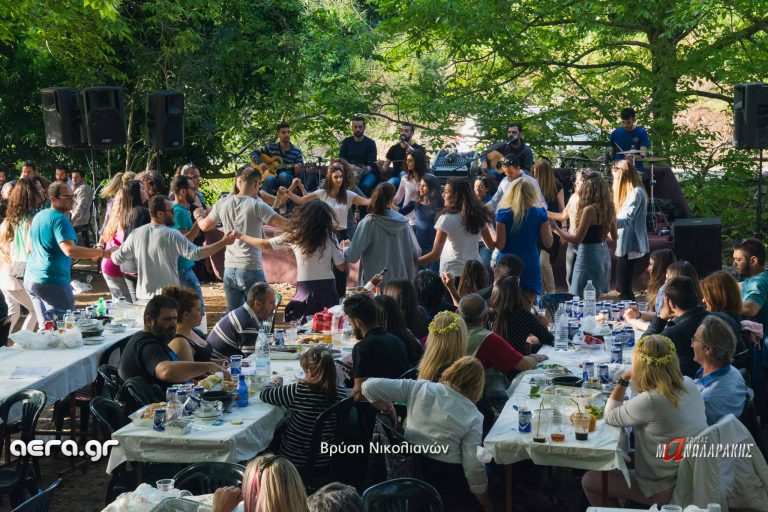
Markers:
104,116
62,116
750,130
165,120
698,241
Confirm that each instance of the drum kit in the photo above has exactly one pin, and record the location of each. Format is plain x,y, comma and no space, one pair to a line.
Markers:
633,155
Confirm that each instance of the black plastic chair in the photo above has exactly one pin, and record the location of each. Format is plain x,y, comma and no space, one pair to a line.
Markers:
111,418
206,477
109,380
411,374
312,480
742,359
14,481
137,393
41,502
402,495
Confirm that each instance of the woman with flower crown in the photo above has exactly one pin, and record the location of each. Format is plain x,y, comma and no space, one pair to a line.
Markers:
665,406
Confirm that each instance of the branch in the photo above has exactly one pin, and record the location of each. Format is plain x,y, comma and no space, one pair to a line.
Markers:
706,94
613,64
394,120
757,25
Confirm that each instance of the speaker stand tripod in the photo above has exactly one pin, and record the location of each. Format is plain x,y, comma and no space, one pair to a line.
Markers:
759,212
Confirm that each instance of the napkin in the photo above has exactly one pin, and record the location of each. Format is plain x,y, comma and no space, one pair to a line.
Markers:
689,508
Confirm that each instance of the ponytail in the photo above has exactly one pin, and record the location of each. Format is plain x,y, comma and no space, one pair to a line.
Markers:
319,362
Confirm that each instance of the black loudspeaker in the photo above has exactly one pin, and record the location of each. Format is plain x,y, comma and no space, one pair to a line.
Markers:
62,117
104,116
698,242
165,119
750,116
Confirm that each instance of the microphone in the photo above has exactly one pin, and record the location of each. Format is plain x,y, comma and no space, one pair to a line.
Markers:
513,140
405,141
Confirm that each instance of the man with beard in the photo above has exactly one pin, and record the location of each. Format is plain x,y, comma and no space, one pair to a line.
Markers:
396,154
518,148
147,354
378,353
240,327
749,262
155,249
360,151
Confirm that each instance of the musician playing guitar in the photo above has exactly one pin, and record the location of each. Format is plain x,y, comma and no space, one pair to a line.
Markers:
360,152
518,148
397,153
280,161
630,138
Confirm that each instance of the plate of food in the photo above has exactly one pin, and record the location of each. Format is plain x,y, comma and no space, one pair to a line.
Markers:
93,340
312,339
554,369
143,417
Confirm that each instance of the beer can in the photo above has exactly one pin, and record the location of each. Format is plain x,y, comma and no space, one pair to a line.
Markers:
525,416
605,377
235,363
629,337
198,390
191,405
573,329
616,355
158,420
589,367
279,337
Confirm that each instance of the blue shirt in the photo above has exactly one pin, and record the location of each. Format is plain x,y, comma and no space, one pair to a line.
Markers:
755,289
238,328
47,264
523,242
622,140
724,392
182,220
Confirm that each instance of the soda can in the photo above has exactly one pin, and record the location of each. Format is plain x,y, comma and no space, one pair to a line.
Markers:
629,337
605,377
279,337
235,363
525,416
191,405
589,367
198,390
573,329
158,420
617,354
49,325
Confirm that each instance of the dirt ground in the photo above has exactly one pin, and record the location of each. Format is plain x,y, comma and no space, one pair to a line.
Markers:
84,490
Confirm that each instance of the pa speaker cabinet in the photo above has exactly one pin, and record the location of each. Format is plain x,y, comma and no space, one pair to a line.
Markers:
698,242
750,116
62,117
165,119
104,116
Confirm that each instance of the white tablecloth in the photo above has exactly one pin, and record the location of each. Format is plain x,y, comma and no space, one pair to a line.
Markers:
70,369
604,450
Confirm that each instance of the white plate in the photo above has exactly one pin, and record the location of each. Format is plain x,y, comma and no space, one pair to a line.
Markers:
95,340
209,417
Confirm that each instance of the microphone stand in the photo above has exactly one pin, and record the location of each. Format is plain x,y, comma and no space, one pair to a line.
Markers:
480,156
233,156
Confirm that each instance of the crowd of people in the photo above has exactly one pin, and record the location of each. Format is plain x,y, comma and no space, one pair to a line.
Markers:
465,263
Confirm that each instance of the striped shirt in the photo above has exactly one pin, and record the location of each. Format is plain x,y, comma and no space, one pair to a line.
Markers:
239,328
305,405
290,158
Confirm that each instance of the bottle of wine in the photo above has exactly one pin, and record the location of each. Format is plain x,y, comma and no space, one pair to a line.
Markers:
375,280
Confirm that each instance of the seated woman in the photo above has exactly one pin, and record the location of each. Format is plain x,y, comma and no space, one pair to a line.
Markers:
658,264
443,413
665,406
310,234
447,342
430,293
414,315
722,297
392,321
306,400
474,278
513,320
680,268
721,385
270,483
189,344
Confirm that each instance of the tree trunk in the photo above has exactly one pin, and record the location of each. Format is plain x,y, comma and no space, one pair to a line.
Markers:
664,101
129,141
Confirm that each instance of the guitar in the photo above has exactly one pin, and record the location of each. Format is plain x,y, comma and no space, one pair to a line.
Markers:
269,166
494,160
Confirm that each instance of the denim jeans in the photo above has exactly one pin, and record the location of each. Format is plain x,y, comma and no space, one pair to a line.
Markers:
188,278
118,288
395,181
50,301
237,282
272,183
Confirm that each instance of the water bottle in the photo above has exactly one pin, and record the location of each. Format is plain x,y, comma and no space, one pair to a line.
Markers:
590,299
263,369
173,408
242,392
561,328
69,320
101,307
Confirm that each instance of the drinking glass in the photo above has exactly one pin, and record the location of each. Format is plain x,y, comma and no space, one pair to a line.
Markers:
556,426
642,307
671,508
165,484
540,425
581,425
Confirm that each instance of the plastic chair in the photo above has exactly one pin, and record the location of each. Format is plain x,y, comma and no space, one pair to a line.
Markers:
40,502
140,393
109,379
14,481
111,418
206,477
402,495
341,409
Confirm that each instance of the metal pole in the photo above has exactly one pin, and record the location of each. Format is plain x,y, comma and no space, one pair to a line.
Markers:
758,223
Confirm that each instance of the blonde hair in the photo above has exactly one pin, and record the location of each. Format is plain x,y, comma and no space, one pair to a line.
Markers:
520,197
627,180
447,341
272,484
545,175
116,183
655,367
467,376
594,192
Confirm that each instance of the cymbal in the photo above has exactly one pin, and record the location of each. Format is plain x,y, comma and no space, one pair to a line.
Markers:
579,158
655,159
629,152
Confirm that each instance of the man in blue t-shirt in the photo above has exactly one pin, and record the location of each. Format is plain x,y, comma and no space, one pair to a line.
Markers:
749,262
629,137
184,194
53,243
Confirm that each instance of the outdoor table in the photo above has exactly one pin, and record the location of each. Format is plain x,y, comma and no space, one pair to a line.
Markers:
134,501
603,451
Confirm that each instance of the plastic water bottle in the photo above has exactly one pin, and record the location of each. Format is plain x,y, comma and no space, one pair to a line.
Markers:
263,368
242,392
101,307
561,328
173,408
590,300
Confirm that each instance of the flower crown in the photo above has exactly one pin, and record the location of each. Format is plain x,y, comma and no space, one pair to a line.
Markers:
455,324
656,360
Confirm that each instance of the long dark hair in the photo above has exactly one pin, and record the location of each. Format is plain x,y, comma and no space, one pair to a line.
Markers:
24,200
310,227
391,319
435,195
346,171
319,362
662,259
404,294
126,208
381,197
506,299
419,165
473,214
473,278
429,290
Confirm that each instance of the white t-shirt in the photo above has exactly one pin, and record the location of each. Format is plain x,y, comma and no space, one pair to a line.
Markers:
316,266
461,245
407,192
247,215
340,210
